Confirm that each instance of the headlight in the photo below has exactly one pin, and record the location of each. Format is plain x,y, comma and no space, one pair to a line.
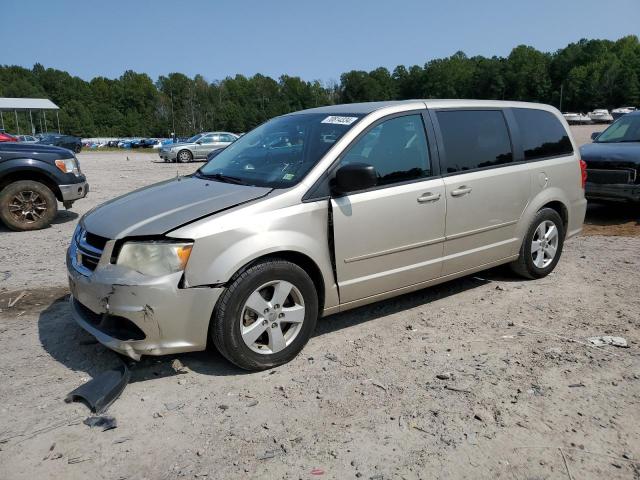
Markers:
155,258
68,165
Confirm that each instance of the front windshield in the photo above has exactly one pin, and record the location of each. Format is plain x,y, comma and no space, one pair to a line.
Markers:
625,129
279,153
195,138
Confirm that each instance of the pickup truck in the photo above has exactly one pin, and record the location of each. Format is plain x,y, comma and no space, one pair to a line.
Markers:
33,178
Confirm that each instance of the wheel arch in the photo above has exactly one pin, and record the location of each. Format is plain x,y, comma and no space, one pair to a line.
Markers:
297,258
33,175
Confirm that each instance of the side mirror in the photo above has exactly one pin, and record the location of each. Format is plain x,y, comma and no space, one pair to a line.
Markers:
199,142
595,135
354,177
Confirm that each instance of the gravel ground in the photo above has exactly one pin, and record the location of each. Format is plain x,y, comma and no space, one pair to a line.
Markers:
483,377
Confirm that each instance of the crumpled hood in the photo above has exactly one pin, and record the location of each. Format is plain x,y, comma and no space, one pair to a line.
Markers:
160,208
613,154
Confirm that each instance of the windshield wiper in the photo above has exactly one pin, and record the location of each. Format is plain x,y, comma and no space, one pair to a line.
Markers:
223,178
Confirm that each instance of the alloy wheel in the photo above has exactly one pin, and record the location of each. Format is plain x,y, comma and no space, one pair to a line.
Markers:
544,244
272,317
27,206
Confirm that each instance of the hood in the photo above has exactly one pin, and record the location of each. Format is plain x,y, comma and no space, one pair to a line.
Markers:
611,154
169,146
34,149
160,208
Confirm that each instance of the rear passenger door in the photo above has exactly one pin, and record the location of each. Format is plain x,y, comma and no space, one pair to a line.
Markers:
486,192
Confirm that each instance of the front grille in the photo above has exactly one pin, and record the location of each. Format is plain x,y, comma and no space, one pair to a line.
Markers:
89,249
601,176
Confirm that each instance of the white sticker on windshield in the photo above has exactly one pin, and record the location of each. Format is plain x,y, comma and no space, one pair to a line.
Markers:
339,120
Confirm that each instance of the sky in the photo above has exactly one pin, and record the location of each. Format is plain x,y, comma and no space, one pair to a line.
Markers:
316,40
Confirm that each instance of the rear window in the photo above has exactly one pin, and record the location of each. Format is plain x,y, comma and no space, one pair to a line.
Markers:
474,139
542,134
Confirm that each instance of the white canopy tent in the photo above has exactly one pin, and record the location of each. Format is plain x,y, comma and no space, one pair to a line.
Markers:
16,105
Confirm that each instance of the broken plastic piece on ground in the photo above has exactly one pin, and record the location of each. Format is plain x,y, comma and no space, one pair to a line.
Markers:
107,422
103,390
608,340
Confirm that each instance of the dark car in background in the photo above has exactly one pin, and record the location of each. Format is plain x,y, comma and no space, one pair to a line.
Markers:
33,179
613,161
60,140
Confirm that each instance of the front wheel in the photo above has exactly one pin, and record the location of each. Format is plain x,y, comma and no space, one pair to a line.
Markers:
266,315
542,245
27,205
184,156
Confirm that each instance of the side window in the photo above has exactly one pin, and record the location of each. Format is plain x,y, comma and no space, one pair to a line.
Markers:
474,139
207,139
542,134
225,137
397,148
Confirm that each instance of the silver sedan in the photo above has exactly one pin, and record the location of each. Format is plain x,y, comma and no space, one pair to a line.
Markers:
197,147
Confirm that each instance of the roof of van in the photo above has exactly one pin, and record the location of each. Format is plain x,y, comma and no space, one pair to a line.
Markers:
368,107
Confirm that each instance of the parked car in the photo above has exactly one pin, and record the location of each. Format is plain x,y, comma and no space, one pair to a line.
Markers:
27,139
65,141
198,146
616,113
5,137
364,202
613,161
33,178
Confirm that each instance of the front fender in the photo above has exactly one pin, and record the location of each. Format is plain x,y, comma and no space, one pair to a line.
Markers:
239,240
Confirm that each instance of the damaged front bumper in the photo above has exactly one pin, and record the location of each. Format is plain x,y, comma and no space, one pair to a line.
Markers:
136,315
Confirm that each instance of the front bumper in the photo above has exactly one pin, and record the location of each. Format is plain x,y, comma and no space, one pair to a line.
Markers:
617,192
74,191
138,315
167,155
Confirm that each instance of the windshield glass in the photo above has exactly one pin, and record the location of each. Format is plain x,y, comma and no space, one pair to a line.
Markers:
625,129
195,138
279,153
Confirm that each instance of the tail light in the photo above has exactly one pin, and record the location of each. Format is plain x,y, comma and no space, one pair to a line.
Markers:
583,173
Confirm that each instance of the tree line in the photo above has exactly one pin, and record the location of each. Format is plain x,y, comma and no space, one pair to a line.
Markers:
582,76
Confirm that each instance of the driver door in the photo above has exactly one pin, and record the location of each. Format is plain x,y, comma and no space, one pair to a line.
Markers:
391,236
205,146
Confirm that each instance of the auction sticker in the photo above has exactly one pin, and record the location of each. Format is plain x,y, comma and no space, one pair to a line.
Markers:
339,120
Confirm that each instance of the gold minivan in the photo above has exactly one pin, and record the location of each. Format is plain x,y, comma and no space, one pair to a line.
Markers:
320,211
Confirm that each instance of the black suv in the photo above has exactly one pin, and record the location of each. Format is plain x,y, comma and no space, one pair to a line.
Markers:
60,140
33,178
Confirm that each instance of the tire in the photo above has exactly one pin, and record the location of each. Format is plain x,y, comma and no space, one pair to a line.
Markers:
36,197
233,315
537,264
184,156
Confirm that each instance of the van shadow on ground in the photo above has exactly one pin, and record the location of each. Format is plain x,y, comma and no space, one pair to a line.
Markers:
621,219
70,345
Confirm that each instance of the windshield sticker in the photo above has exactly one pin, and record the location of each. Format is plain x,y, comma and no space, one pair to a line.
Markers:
288,176
339,120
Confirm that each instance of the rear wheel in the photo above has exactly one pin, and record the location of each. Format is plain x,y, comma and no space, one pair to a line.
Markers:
184,156
542,245
27,205
266,315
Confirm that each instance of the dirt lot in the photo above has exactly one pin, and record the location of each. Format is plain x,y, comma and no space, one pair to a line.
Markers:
483,377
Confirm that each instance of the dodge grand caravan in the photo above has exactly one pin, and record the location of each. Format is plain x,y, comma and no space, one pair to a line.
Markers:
351,205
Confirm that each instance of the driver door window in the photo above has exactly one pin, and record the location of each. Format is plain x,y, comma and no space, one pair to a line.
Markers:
397,148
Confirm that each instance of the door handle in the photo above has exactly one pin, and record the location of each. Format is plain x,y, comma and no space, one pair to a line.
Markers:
428,197
462,190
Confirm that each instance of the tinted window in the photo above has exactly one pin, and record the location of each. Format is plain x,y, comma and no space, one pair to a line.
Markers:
474,139
225,137
397,148
542,134
206,139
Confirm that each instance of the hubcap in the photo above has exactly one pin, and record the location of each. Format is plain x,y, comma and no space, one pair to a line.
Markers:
27,206
544,245
272,317
184,156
